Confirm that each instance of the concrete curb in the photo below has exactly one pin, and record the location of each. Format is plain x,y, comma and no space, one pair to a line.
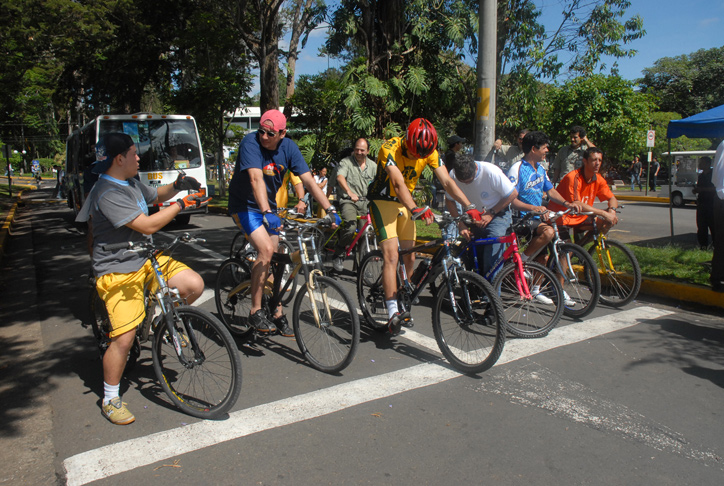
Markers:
5,231
624,197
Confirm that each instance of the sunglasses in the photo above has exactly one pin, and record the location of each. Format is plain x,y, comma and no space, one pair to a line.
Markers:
269,134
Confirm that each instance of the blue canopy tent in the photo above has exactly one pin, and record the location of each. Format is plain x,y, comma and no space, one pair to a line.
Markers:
707,124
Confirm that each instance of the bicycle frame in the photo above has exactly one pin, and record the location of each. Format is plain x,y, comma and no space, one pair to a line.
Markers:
510,253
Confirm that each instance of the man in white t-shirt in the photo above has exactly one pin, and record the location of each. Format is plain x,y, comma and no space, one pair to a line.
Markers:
486,186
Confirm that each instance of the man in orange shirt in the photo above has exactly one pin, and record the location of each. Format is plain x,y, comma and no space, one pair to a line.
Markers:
585,185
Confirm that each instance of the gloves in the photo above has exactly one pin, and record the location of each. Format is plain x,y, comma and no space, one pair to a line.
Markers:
195,200
185,183
332,216
423,213
271,220
473,213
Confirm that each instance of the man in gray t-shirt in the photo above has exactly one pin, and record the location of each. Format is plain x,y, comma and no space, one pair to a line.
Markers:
118,207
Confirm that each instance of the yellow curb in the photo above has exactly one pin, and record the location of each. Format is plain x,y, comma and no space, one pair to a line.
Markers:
623,197
8,222
682,292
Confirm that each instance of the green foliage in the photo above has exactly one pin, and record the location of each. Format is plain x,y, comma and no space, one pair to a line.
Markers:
687,84
615,116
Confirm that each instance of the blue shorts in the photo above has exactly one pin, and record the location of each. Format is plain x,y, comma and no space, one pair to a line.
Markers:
249,221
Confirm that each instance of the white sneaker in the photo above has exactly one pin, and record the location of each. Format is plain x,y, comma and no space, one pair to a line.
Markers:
338,264
535,293
567,301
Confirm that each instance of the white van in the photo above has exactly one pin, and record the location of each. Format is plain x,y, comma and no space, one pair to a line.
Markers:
685,173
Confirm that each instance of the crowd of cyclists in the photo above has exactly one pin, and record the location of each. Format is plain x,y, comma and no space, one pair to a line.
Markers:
267,161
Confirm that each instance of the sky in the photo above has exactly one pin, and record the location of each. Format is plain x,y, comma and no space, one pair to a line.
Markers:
673,27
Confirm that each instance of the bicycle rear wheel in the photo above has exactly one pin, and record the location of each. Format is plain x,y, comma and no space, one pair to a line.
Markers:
580,280
232,293
469,327
533,316
101,327
209,383
326,325
619,271
370,294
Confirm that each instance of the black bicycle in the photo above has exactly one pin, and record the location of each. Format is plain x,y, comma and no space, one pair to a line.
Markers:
194,356
467,316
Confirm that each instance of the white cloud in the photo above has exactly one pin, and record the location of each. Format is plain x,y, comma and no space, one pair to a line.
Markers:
709,21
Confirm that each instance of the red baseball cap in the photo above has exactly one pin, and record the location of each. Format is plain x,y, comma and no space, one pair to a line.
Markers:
276,118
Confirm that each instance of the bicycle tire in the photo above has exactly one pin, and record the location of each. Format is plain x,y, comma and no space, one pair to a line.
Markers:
370,294
473,341
529,318
580,281
620,284
327,328
238,245
234,309
210,385
101,327
363,247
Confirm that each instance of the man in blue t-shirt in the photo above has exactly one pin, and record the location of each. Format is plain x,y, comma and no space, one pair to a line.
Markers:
531,181
264,158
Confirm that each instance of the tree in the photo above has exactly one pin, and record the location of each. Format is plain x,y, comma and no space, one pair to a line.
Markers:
259,25
303,16
615,116
687,84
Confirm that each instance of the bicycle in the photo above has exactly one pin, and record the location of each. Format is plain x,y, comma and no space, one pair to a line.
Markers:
364,240
528,314
618,267
467,317
576,269
242,249
324,319
194,356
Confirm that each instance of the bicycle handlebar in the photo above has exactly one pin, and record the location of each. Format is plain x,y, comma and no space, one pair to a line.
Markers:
148,245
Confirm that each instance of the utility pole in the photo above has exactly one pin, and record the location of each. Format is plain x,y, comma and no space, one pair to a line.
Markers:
485,110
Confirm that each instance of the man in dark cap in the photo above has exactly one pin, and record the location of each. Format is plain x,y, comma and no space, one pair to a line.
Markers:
118,205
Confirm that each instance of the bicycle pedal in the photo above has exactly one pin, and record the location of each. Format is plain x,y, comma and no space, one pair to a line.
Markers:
408,323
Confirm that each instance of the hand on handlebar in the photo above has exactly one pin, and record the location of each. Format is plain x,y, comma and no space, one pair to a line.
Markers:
333,217
425,213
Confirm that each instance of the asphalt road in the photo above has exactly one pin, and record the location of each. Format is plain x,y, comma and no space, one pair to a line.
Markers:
628,396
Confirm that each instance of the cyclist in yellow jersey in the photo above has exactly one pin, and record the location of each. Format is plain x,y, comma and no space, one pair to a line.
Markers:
282,197
400,163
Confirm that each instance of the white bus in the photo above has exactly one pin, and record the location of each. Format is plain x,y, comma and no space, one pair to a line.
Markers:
685,173
166,144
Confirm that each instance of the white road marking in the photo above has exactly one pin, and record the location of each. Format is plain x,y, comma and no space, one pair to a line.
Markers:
127,455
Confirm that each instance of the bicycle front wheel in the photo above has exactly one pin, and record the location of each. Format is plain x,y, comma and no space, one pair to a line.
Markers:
580,280
238,245
467,320
205,381
619,271
326,325
532,315
232,293
370,294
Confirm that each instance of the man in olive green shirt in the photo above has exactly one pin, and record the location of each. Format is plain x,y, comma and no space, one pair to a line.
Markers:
354,175
571,156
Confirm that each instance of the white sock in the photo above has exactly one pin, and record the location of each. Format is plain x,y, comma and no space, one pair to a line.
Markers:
524,257
110,392
391,308
535,290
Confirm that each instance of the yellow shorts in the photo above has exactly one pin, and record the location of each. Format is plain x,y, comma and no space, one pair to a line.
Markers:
123,293
392,219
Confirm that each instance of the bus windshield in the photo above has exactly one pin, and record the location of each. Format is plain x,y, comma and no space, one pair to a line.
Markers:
162,144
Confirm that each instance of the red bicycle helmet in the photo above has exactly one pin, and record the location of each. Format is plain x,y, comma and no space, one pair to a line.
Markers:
421,138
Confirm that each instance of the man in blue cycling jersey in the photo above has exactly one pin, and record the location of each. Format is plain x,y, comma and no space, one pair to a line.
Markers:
118,205
531,181
264,158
